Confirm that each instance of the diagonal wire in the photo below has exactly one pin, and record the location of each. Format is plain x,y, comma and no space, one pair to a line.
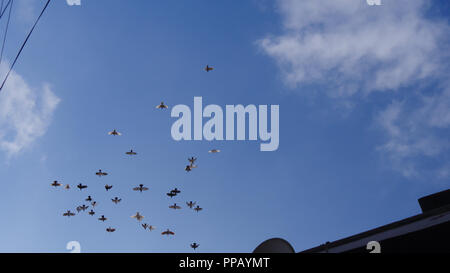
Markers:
6,32
23,45
3,10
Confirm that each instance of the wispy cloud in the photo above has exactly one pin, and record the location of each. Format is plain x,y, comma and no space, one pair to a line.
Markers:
351,49
25,113
349,46
444,171
418,129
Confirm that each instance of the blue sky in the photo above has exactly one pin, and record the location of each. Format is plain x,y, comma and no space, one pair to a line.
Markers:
364,120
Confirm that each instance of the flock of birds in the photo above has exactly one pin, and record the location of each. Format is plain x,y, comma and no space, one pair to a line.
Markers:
141,188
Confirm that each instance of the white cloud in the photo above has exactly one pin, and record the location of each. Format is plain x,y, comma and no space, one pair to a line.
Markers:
25,113
351,49
354,47
417,131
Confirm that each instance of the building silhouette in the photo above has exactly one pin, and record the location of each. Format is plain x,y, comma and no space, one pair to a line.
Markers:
427,232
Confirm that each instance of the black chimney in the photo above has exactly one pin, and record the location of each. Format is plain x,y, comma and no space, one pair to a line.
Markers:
434,201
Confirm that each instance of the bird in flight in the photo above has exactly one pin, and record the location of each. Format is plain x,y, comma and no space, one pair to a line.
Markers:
83,208
100,173
67,187
167,232
68,213
150,228
137,216
116,200
162,106
103,218
55,184
81,186
91,213
175,206
194,245
94,204
110,229
188,168
114,133
208,68
141,188
190,204
198,208
131,152
145,225
192,160
214,151
89,199
176,191
171,194
108,187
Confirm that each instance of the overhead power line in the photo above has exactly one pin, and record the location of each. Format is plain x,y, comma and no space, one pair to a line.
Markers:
6,31
24,43
4,9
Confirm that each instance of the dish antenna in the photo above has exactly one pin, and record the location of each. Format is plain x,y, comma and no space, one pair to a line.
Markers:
275,245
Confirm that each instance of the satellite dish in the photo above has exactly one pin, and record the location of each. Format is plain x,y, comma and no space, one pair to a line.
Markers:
275,245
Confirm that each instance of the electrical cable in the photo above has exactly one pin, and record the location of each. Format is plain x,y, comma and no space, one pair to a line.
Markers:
23,45
6,32
3,10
